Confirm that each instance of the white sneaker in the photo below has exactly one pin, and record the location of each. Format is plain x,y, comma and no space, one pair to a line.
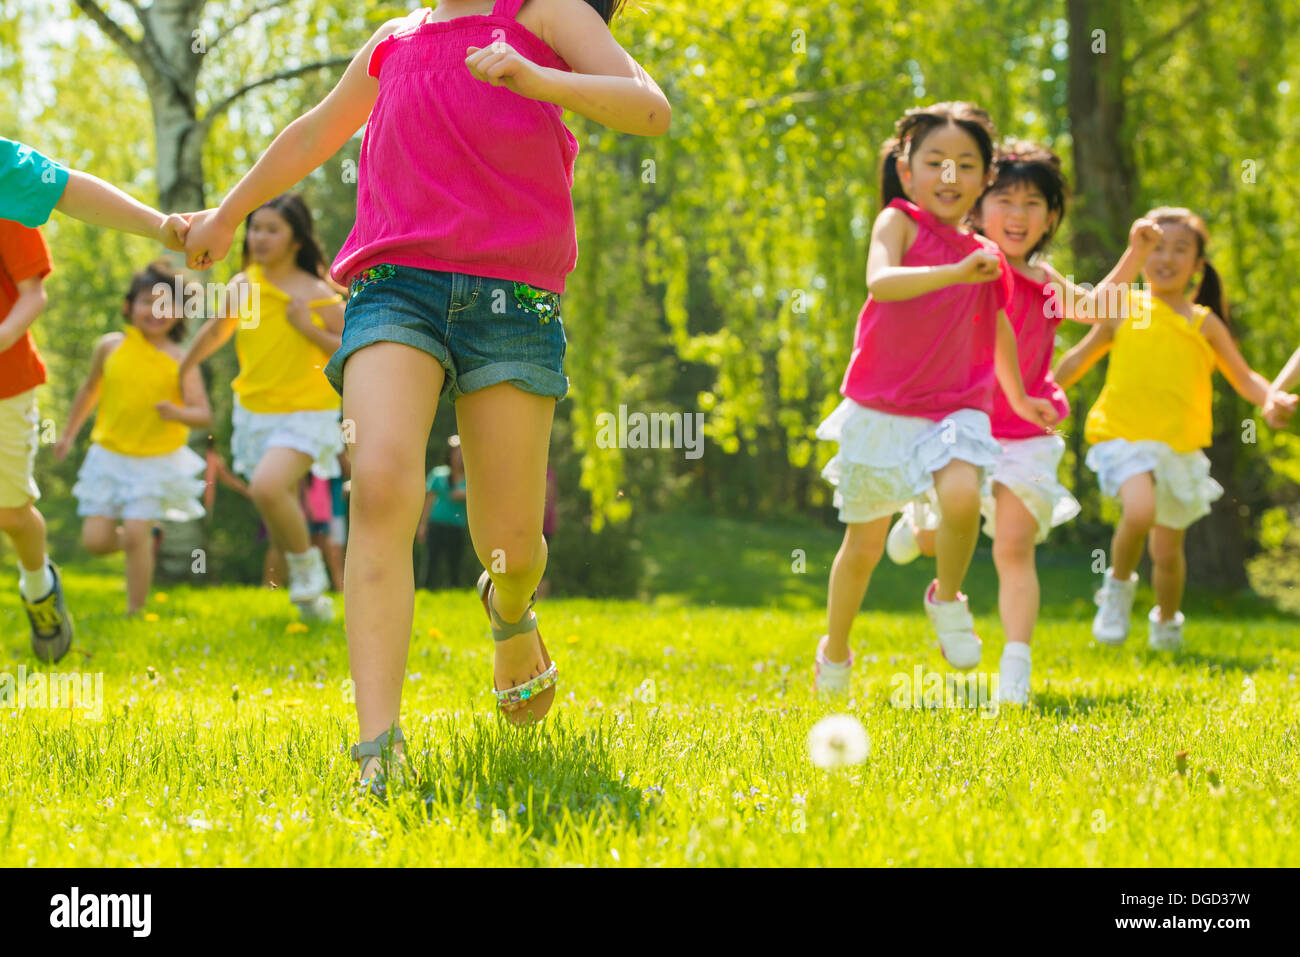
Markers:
1164,635
1114,608
1013,675
831,677
955,628
901,545
310,579
320,608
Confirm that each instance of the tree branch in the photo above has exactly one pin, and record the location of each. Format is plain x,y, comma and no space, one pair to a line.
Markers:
113,30
222,34
1168,35
223,105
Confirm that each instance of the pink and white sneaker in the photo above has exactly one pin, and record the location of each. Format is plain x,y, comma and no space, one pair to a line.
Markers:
831,677
955,629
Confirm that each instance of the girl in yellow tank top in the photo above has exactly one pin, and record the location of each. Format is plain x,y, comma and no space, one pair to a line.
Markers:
1153,418
138,469
287,321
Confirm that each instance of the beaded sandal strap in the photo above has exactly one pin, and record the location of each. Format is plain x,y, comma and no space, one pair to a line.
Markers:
530,688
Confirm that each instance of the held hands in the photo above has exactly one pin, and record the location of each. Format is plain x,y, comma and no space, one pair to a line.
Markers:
1036,410
172,231
979,266
500,65
62,447
1279,408
298,313
207,240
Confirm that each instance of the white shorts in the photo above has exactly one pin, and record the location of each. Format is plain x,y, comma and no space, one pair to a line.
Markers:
1029,469
159,487
886,461
19,436
1184,489
314,433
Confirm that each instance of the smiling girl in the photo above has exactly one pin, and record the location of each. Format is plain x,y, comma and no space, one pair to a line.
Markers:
286,415
932,343
138,470
1153,418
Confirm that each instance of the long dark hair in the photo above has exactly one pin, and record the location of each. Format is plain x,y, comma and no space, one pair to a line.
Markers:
159,272
1210,292
291,206
1020,161
918,123
608,9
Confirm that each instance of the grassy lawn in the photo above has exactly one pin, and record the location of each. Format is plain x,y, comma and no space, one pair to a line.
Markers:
679,736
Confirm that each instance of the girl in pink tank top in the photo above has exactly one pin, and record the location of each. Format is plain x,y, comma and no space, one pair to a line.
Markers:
1020,212
463,239
932,342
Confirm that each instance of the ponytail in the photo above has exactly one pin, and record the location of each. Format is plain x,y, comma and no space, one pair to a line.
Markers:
891,187
1210,293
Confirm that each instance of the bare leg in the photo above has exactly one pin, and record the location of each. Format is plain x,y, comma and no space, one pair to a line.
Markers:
864,543
390,393
137,542
274,490
505,436
25,527
1168,569
1137,496
957,485
1013,554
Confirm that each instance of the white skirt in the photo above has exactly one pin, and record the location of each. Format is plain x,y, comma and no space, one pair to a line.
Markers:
158,487
1028,467
886,461
314,433
1184,489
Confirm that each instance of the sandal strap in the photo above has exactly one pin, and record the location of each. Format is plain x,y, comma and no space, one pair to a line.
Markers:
501,629
531,687
377,747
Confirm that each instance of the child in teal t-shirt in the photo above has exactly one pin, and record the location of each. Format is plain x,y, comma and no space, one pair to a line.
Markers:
444,526
33,185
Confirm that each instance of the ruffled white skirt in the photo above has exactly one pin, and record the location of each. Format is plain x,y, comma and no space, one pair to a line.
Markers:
1028,468
314,433
158,487
1184,489
886,461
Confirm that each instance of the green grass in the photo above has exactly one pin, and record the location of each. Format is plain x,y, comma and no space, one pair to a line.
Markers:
679,736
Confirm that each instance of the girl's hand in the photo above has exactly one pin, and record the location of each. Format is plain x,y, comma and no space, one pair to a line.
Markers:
979,266
1279,409
1143,236
207,240
62,448
172,232
1036,410
500,65
167,411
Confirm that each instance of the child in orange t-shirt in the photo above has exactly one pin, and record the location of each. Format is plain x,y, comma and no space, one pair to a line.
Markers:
24,264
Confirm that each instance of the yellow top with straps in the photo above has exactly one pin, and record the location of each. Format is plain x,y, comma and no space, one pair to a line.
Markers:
137,375
1159,380
280,369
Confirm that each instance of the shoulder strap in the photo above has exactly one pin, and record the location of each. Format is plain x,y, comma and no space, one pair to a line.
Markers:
507,8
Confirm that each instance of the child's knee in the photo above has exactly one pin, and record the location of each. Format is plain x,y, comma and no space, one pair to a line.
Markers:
1140,514
1013,551
863,548
384,488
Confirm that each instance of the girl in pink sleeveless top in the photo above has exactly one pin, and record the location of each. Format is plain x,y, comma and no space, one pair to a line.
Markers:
463,239
932,343
1020,212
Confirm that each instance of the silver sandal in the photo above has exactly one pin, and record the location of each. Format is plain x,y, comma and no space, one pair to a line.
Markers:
501,630
381,748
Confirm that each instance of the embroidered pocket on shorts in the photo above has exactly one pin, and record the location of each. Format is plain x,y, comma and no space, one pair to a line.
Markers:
544,303
373,274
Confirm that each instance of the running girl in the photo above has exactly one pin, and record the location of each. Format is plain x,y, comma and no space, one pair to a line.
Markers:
932,341
1153,418
464,237
286,415
138,470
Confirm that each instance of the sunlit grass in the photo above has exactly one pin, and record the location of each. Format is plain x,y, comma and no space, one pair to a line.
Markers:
678,737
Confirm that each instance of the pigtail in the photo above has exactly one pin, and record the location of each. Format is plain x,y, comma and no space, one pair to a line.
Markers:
891,187
1210,293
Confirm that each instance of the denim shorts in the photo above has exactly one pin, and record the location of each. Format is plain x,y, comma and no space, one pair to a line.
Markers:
482,331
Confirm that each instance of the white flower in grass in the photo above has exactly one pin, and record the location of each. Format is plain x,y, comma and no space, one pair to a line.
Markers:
837,741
